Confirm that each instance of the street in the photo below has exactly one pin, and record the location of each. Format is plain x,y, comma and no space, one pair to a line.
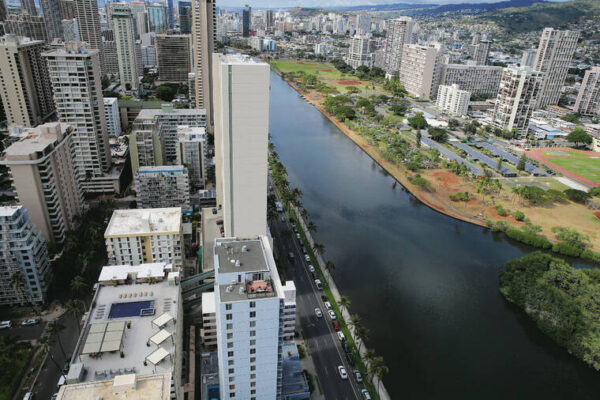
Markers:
325,347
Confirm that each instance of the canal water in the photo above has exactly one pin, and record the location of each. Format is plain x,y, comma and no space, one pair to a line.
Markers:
424,284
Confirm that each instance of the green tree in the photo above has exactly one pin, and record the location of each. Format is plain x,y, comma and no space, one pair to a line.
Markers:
72,308
363,333
379,369
78,285
437,134
312,226
165,92
318,248
47,342
344,303
522,162
453,124
579,136
400,107
417,122
419,139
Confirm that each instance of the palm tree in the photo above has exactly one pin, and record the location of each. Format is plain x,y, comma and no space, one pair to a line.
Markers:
78,285
54,328
369,356
344,303
312,226
304,212
72,308
47,343
354,321
378,369
318,248
363,333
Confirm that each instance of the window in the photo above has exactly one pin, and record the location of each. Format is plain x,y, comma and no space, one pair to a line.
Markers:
230,345
252,351
252,359
230,362
252,314
253,368
230,354
229,326
252,384
253,342
252,333
253,391
231,394
252,304
231,370
229,317
228,307
252,324
230,336
231,378
231,387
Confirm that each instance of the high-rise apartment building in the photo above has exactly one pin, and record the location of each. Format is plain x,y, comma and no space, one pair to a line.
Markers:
88,19
26,91
67,9
528,58
170,14
52,18
111,59
185,17
43,171
246,20
25,25
29,7
481,51
399,33
76,81
70,30
363,24
113,117
191,152
23,253
204,31
481,80
249,308
145,143
124,30
162,187
553,58
269,20
148,235
173,57
588,100
241,100
517,98
420,69
359,53
452,100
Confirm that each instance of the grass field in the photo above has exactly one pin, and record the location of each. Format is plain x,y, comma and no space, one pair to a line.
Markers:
585,165
327,74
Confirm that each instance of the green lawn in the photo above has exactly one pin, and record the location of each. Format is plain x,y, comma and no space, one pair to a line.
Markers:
326,73
581,164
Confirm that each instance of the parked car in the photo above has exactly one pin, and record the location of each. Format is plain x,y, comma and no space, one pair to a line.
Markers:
323,297
5,324
357,376
214,210
67,365
304,250
311,268
61,381
327,305
318,312
346,348
28,396
298,237
291,256
341,336
283,218
307,257
318,284
30,321
331,314
336,325
365,394
342,371
350,358
219,222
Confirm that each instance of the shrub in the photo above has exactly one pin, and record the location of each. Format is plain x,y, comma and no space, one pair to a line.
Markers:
529,237
501,211
591,255
555,195
578,196
595,191
460,196
500,226
567,249
519,216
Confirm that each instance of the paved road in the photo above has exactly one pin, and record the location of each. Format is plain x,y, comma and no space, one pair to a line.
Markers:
24,332
322,340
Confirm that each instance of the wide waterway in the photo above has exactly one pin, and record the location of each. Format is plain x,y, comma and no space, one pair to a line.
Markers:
424,284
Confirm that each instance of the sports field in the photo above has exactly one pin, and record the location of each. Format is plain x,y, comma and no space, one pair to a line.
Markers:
327,74
584,166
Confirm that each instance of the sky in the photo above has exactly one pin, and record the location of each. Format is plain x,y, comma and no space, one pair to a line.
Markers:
333,3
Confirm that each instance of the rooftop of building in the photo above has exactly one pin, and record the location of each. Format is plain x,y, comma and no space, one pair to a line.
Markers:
72,49
111,100
245,269
208,303
210,232
170,110
15,40
9,211
144,222
191,132
132,327
147,387
36,143
161,168
238,58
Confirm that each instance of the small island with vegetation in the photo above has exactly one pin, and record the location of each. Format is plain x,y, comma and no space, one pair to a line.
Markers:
563,301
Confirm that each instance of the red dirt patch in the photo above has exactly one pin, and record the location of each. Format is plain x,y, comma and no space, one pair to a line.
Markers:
326,70
597,214
348,82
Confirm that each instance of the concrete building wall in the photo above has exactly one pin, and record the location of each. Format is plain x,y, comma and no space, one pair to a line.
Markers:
204,29
173,57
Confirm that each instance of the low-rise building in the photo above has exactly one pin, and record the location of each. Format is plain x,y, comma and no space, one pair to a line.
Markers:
131,342
208,332
148,235
162,187
452,100
24,263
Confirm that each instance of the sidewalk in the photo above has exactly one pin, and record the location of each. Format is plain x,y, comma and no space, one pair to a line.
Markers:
383,394
307,364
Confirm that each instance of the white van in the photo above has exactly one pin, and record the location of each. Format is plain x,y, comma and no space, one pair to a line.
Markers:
5,324
319,284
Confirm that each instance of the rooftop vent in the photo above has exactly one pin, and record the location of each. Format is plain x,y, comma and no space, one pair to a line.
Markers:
238,263
229,289
244,249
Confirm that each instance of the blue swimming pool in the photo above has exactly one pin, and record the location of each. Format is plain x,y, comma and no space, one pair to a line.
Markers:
212,392
130,309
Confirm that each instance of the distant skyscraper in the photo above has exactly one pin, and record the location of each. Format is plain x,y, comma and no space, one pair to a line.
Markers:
25,25
185,17
399,33
29,6
67,9
246,20
517,97
123,25
241,100
481,51
173,57
76,80
25,87
588,100
359,54
3,12
52,17
70,29
528,58
270,21
23,252
88,19
554,56
420,69
171,14
204,30
363,24
43,169
157,18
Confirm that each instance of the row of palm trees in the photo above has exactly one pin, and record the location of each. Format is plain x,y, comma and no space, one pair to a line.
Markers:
375,364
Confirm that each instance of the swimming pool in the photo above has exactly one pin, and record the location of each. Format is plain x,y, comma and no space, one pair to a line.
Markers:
212,392
130,309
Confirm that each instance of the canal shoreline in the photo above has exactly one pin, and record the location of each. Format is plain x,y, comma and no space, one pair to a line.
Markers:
427,198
